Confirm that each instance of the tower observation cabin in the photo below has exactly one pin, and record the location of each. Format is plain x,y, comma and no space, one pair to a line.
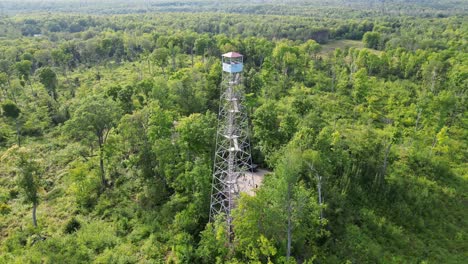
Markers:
233,62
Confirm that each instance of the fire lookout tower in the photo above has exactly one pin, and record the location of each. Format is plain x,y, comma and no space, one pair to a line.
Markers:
233,160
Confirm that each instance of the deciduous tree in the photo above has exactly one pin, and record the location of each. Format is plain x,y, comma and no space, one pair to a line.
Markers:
28,173
94,118
48,78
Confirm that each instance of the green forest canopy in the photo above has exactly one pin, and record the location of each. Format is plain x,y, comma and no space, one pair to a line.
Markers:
108,119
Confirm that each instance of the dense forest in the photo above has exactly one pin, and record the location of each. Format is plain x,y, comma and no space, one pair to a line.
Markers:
108,115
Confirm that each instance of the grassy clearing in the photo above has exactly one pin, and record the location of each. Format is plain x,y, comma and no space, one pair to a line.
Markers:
342,44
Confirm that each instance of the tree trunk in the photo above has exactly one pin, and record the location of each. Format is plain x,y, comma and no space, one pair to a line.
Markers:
319,188
101,165
433,80
34,214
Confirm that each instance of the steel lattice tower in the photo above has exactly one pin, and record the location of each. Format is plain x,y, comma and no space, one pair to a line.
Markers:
232,161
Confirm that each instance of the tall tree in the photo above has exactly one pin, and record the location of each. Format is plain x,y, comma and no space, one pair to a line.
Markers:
3,83
160,57
23,68
28,179
189,44
48,78
311,48
11,111
94,118
371,40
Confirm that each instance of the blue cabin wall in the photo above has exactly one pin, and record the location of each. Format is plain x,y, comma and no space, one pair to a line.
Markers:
233,68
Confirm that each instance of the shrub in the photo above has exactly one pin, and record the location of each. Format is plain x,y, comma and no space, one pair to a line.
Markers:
371,40
4,209
72,226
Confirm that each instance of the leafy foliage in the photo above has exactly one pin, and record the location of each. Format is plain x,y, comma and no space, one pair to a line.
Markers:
365,140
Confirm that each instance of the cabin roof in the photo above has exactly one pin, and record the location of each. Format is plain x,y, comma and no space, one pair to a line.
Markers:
232,55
